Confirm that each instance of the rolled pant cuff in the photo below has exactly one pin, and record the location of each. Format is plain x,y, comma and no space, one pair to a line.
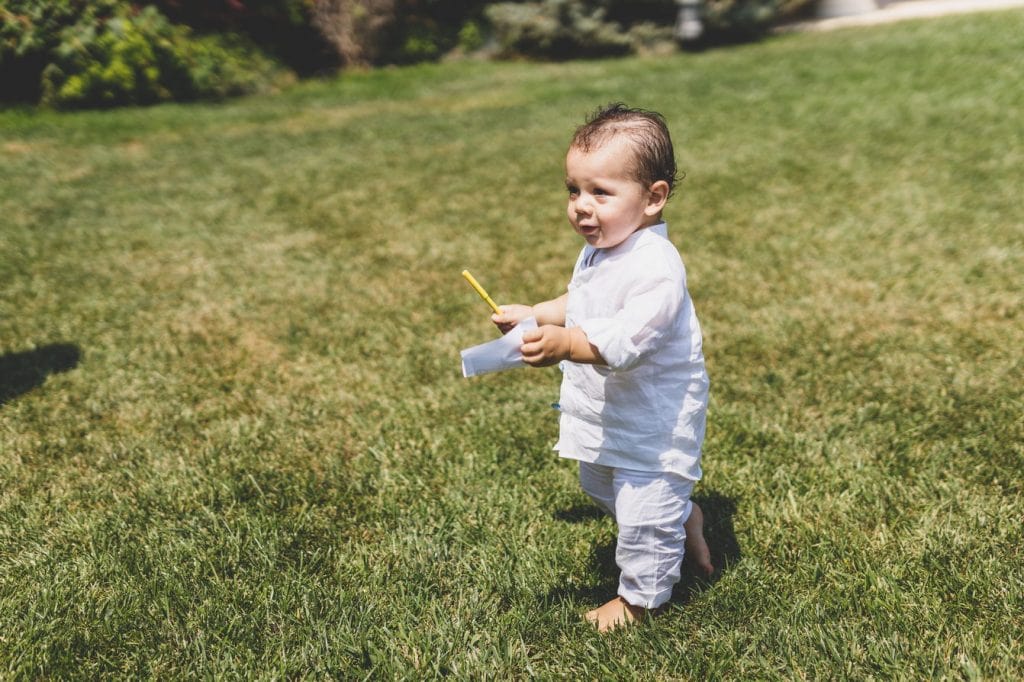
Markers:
645,601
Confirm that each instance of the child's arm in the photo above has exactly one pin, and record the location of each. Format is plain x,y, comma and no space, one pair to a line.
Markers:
546,312
550,344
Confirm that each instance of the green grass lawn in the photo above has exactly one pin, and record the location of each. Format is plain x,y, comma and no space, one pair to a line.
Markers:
234,437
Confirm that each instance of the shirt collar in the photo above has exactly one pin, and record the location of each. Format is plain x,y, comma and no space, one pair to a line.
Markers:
592,255
660,229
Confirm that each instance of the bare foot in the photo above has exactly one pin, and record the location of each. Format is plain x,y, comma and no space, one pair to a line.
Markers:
615,613
696,546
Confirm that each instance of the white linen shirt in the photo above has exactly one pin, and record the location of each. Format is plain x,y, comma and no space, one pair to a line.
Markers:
647,409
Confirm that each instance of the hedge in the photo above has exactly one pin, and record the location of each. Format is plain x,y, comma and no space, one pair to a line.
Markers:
80,53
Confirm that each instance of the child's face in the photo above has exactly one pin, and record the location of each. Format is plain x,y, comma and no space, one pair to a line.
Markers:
606,203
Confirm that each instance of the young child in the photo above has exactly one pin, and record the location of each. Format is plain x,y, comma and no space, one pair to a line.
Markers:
634,390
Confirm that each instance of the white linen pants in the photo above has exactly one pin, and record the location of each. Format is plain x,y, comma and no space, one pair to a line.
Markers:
650,508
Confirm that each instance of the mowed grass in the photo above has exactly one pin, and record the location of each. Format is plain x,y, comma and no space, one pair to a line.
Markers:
235,441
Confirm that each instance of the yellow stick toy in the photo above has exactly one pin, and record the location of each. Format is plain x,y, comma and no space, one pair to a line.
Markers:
480,290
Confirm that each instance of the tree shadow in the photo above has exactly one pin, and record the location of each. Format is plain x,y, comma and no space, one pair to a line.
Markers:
718,530
22,371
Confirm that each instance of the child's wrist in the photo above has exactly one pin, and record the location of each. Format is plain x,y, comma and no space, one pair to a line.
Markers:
571,355
579,348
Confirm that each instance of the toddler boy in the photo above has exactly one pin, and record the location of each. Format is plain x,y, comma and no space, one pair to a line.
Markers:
634,389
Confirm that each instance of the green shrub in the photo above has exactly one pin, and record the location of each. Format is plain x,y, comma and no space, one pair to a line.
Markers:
122,60
594,28
746,19
556,29
83,53
428,29
72,53
421,44
471,37
283,28
30,30
227,65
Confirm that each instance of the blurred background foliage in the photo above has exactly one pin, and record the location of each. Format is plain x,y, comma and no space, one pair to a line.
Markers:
99,53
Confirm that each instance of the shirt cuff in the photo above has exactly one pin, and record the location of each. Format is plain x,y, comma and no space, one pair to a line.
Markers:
610,339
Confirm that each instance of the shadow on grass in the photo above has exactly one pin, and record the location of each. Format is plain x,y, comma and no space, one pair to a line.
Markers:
578,513
21,372
721,536
718,530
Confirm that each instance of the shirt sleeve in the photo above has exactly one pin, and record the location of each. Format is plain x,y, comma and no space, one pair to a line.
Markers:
640,327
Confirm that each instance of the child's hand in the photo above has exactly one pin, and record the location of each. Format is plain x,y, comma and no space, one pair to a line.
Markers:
511,315
546,345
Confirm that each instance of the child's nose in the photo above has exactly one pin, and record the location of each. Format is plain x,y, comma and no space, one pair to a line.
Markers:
583,205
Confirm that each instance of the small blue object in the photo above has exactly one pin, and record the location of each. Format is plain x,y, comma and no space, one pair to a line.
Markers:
556,406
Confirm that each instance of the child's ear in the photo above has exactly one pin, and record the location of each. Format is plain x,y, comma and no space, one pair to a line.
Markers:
657,196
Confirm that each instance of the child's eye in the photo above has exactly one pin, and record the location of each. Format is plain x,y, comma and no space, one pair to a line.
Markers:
599,192
573,191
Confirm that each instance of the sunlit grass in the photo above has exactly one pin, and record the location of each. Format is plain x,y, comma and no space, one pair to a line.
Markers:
234,437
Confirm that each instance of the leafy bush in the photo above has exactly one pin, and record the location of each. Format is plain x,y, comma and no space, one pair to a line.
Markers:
746,19
471,37
72,53
594,28
227,65
428,29
141,58
556,29
313,35
283,28
120,60
29,32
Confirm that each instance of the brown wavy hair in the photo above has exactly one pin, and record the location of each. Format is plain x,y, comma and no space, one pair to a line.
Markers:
653,155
